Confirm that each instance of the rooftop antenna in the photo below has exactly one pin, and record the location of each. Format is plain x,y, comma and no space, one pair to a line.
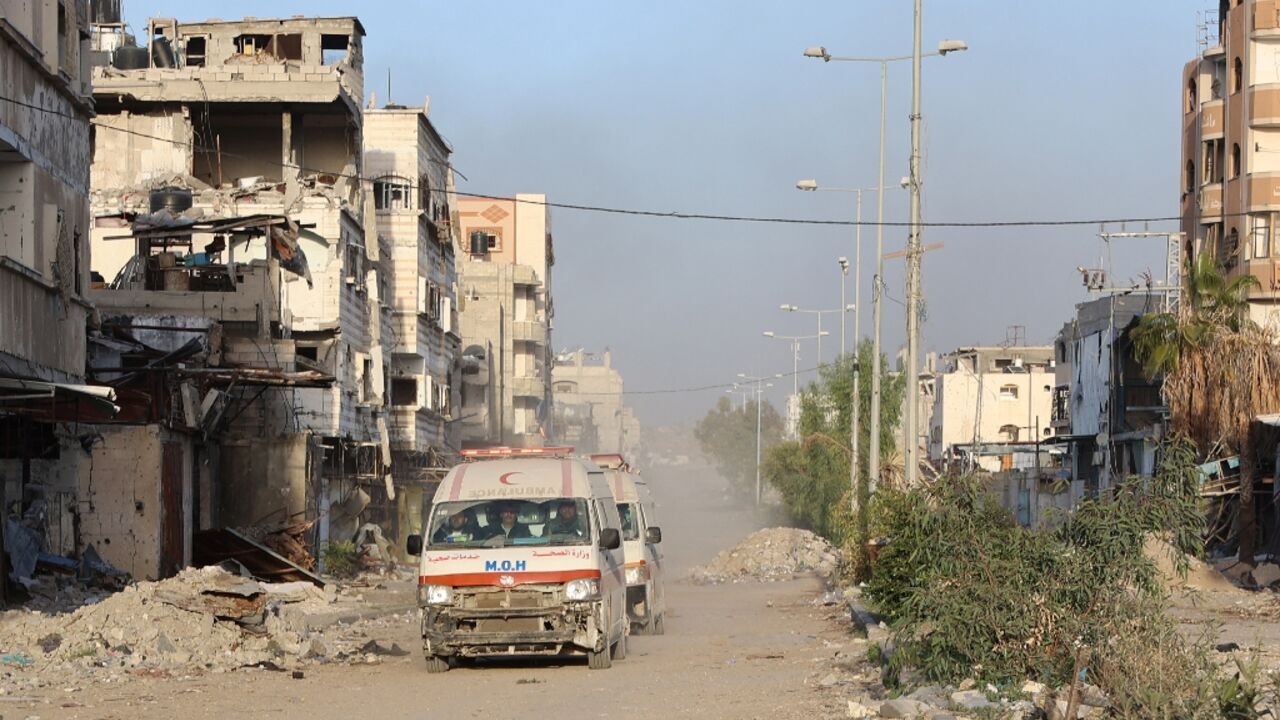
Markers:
389,101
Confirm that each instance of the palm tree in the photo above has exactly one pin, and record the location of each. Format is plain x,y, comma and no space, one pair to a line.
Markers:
1211,303
1221,371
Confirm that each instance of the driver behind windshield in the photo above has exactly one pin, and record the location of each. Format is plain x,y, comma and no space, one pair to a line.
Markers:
566,521
507,524
458,528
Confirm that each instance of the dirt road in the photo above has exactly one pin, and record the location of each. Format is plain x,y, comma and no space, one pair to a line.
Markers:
731,651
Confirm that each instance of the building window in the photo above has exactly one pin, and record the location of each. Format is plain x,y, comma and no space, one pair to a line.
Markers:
1009,433
1261,234
1191,95
404,392
1009,392
1235,160
1191,177
1237,76
1211,161
392,193
195,51
1212,240
333,49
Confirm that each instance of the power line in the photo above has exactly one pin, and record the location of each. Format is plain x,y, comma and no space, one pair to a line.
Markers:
675,215
698,388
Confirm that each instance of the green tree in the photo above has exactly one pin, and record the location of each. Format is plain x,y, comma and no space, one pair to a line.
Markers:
812,474
728,436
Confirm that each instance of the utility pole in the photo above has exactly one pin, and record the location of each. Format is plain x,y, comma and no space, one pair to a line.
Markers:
911,446
873,467
760,386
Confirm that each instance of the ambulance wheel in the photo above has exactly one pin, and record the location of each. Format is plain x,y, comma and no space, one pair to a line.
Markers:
620,648
601,660
437,664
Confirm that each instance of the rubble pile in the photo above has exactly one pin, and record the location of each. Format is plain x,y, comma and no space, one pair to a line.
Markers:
771,554
203,619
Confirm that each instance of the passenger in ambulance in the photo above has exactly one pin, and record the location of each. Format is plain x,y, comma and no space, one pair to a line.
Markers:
508,524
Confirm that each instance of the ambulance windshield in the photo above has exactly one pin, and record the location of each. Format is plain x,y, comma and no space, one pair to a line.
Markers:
500,523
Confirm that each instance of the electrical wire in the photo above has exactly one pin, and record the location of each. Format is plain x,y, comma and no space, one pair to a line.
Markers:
676,215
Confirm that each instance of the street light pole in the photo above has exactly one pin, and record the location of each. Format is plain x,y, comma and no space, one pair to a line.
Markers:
759,402
911,455
944,47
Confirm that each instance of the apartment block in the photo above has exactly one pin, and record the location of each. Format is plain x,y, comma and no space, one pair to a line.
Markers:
229,210
991,405
1230,204
590,409
505,297
407,163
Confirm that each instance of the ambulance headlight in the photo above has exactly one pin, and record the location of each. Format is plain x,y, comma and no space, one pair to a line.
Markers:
585,589
435,595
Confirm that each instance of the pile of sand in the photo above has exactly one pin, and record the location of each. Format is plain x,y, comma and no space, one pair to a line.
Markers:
1201,576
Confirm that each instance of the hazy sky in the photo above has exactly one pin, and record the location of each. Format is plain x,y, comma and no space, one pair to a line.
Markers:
1058,111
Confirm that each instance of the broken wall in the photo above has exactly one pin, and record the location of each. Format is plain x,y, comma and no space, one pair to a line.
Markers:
134,495
263,480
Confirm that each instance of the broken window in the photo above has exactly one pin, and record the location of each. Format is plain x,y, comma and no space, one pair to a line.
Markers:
1191,95
333,49
392,193
195,51
1237,76
404,392
253,44
288,47
1235,160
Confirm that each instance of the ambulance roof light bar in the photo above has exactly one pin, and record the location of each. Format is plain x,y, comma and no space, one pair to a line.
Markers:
611,461
510,452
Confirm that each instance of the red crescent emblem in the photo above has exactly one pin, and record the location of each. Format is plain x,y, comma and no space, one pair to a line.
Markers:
503,478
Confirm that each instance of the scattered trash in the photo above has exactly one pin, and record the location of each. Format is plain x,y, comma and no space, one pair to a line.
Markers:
529,681
375,648
298,675
16,660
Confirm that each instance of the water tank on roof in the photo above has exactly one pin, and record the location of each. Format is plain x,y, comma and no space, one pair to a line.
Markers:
162,54
479,242
176,199
130,57
104,11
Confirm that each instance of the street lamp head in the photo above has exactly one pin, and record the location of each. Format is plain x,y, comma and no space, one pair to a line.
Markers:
788,308
905,182
844,264
768,333
851,306
807,184
950,46
824,333
818,52
742,375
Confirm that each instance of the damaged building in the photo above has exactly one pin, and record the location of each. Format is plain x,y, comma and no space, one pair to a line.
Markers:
590,411
45,110
232,229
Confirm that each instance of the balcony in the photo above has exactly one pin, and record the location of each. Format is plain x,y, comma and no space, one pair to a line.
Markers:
1266,20
530,387
529,331
1264,105
1211,200
1211,120
1264,191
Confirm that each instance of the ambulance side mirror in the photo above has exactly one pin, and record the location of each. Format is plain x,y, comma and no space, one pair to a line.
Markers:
413,544
653,535
610,539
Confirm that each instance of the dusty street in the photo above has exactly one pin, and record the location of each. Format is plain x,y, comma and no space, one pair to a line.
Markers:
731,651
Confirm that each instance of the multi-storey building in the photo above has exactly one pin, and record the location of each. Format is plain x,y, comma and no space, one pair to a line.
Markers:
504,275
45,104
989,400
589,408
1231,147
407,163
229,158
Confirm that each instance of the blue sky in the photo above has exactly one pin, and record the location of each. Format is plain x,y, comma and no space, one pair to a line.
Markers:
1058,111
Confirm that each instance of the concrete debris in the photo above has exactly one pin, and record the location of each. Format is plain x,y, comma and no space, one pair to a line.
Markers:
201,620
769,555
858,711
288,541
903,708
1266,575
971,700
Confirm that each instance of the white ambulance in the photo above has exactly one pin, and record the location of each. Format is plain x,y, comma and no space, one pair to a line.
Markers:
522,556
641,544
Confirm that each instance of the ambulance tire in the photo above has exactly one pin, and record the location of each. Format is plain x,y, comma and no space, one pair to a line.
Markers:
437,664
601,660
620,648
